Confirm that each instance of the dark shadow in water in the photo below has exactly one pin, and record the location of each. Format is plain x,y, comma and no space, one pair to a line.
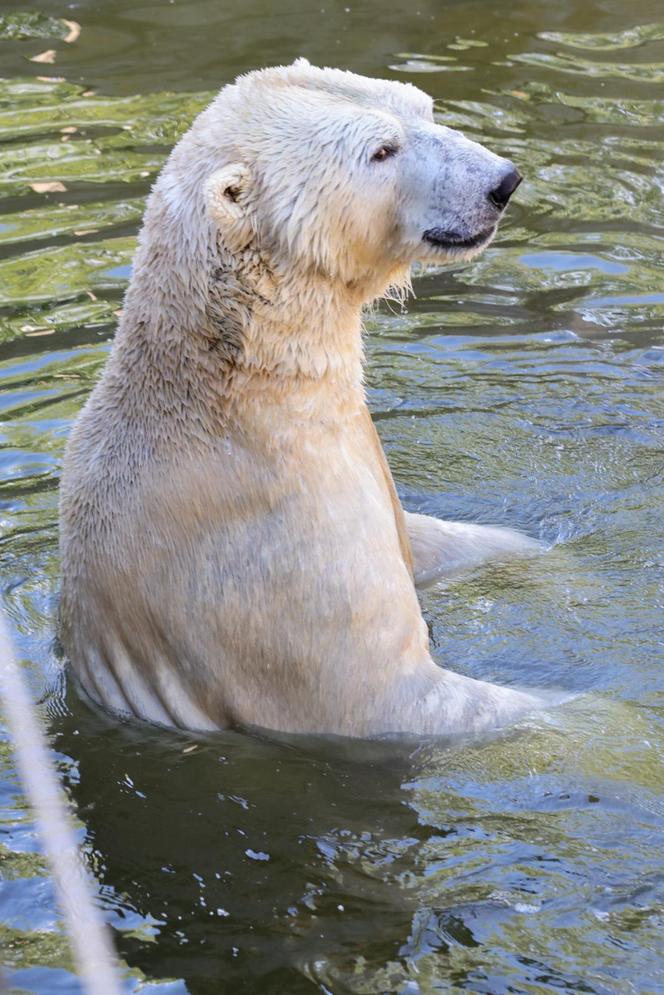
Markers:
260,861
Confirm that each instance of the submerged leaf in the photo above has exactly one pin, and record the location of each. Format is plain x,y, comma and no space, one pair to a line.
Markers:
50,186
47,57
74,31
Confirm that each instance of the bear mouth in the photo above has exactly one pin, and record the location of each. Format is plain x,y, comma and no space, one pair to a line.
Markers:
442,239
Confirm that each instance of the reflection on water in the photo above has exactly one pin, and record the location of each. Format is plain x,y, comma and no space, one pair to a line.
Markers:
374,867
524,389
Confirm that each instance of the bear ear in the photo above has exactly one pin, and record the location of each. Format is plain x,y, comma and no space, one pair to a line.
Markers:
301,63
225,193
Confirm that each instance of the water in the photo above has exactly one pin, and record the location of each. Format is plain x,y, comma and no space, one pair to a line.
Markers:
523,389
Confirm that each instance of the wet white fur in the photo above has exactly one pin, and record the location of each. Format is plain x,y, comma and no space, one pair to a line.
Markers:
233,548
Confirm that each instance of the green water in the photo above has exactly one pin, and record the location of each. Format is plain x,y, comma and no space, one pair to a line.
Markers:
524,389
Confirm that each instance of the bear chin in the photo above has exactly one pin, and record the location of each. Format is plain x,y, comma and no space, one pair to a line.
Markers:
450,241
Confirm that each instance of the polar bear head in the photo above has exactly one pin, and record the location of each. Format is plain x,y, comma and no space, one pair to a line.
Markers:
324,170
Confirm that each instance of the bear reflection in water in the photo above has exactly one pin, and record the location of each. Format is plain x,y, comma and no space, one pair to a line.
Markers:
245,864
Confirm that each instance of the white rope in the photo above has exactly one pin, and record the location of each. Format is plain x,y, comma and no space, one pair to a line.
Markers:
90,938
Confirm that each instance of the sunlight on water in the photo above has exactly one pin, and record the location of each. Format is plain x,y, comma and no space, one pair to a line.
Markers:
525,389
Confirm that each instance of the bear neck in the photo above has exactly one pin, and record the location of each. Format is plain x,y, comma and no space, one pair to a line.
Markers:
229,327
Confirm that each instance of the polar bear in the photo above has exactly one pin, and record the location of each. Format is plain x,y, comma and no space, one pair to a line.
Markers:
233,547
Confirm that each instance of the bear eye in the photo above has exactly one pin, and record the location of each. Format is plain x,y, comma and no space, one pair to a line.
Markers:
384,152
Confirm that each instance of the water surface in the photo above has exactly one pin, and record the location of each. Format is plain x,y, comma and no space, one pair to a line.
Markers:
524,389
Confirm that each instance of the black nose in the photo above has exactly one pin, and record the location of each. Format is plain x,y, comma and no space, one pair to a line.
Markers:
505,188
